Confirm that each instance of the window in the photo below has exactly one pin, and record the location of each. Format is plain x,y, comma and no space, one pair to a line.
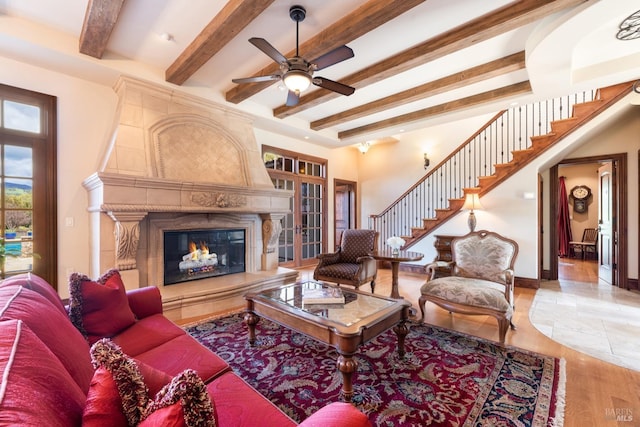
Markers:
28,190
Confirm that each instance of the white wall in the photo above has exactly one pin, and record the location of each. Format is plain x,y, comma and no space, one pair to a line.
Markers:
85,113
391,168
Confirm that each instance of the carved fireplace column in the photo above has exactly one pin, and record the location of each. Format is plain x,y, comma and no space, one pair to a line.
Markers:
127,237
271,229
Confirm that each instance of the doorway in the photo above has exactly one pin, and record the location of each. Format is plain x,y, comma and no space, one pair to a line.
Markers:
344,202
304,231
617,252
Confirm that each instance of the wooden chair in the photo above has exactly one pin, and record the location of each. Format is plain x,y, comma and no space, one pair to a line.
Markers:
352,263
481,280
589,244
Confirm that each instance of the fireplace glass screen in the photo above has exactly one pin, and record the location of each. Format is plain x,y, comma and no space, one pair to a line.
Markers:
197,254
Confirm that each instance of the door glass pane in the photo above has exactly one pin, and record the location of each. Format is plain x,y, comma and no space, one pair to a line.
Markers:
311,220
19,116
17,209
287,236
18,194
18,161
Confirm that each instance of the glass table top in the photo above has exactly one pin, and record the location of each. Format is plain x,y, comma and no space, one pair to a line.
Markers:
356,307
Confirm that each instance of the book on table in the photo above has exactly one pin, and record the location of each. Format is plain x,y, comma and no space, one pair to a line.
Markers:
322,295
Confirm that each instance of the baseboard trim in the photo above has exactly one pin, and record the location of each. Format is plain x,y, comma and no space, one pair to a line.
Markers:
525,282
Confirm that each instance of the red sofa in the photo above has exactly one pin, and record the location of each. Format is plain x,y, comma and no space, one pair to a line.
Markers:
47,372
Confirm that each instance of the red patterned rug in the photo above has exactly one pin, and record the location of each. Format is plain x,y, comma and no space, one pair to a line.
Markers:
445,379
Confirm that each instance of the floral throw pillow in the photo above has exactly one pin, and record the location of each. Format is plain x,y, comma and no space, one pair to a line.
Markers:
119,394
183,402
99,308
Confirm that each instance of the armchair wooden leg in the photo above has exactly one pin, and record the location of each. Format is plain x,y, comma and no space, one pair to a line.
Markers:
503,326
373,286
421,303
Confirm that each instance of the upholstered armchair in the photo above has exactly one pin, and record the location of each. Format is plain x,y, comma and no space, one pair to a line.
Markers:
352,264
481,281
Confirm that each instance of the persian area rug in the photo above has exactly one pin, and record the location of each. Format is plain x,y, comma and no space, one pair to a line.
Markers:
445,379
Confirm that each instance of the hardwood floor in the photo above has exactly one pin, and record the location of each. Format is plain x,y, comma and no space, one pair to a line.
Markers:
578,270
596,391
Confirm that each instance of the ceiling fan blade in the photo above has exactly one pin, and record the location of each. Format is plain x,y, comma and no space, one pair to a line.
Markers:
268,49
292,99
257,79
334,86
336,55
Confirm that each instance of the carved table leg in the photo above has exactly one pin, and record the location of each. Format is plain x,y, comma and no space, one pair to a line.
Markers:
395,293
251,319
347,365
401,331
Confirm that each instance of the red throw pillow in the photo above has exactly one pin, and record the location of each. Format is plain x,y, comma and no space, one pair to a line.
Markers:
183,402
99,308
104,405
119,394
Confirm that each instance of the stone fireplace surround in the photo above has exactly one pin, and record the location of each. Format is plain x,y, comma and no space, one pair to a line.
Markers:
176,161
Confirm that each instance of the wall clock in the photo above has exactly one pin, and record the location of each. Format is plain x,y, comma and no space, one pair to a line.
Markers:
581,195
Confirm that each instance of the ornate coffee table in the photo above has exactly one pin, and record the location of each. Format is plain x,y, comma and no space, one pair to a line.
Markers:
345,327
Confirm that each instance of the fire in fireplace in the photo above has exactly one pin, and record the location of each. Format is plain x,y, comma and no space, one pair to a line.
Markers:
198,254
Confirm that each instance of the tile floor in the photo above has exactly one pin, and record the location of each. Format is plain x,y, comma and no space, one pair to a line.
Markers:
598,319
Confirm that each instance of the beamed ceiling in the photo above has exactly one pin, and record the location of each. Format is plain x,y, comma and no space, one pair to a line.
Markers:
417,63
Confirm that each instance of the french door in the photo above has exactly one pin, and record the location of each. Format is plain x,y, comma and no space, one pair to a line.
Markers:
304,231
28,177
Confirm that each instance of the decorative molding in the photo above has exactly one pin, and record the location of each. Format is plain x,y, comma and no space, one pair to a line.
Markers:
218,199
127,237
191,148
271,230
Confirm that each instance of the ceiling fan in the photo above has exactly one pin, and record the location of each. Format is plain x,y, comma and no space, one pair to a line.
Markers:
297,73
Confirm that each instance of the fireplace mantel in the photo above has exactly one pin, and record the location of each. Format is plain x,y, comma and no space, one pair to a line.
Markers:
109,192
178,160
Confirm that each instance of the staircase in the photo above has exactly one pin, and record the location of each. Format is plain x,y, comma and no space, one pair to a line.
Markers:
509,141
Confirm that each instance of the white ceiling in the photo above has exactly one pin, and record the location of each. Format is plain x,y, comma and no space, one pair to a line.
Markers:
569,51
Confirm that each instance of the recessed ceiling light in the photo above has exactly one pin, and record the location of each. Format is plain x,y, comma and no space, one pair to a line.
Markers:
306,137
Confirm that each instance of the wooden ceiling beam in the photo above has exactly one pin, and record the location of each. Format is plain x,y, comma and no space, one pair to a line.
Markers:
507,18
99,20
447,107
233,17
462,79
356,24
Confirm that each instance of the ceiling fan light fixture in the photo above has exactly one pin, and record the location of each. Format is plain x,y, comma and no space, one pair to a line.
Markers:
297,81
